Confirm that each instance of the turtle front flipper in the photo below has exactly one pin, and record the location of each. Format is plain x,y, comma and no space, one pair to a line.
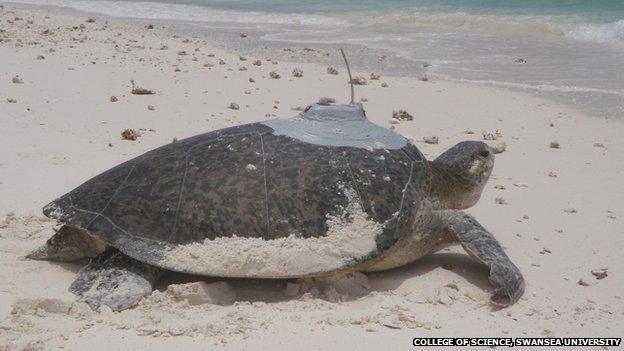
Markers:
479,243
115,280
69,244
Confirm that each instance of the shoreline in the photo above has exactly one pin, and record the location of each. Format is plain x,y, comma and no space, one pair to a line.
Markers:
556,211
594,102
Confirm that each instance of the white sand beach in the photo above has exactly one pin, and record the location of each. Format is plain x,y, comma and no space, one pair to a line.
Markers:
557,211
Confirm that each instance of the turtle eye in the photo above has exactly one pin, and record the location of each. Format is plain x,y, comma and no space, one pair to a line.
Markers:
484,153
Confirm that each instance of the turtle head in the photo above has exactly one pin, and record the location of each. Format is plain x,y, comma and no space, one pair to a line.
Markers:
460,174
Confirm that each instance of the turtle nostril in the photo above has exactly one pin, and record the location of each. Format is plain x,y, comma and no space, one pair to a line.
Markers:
484,153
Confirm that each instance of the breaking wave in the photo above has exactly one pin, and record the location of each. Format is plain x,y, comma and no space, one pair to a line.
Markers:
596,32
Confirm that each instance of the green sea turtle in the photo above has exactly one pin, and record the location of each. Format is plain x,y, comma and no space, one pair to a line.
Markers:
324,192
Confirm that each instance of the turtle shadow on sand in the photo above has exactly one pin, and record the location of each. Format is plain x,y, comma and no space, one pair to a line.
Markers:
460,264
272,290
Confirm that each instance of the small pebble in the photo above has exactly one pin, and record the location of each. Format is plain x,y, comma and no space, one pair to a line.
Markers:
402,115
600,273
499,148
130,134
501,201
297,73
431,140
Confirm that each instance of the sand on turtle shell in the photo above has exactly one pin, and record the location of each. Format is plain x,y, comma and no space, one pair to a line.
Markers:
350,235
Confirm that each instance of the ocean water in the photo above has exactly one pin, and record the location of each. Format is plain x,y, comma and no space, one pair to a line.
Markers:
573,50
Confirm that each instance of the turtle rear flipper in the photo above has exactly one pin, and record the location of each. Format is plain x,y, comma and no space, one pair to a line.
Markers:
69,244
479,243
115,280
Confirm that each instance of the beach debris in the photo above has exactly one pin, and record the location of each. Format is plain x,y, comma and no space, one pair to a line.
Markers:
130,134
247,92
17,80
149,26
198,293
136,90
257,63
424,78
251,80
569,210
384,85
468,131
242,35
431,139
151,108
242,58
40,57
297,108
554,145
164,47
297,72
610,214
332,70
545,250
501,201
600,273
374,76
182,52
499,187
520,60
274,75
113,99
599,145
221,61
499,148
90,20
11,101
521,185
552,174
326,101
402,115
234,106
242,68
492,135
358,80
581,282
